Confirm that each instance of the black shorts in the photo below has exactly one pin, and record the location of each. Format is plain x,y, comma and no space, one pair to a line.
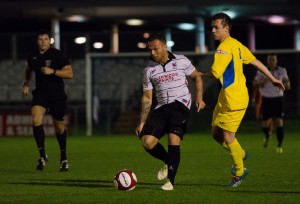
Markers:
55,104
169,118
272,108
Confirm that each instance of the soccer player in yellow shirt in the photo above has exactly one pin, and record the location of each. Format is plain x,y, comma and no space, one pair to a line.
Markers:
233,98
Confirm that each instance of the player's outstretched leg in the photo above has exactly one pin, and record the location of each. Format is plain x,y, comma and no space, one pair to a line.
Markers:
159,152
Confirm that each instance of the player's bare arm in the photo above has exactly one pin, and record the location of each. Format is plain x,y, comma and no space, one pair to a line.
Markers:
66,72
262,68
196,76
207,74
287,84
27,77
146,103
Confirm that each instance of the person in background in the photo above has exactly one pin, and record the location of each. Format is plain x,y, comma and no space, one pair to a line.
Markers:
50,67
272,100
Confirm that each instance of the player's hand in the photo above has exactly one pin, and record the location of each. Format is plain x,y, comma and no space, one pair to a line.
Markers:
200,105
25,90
139,128
47,70
279,84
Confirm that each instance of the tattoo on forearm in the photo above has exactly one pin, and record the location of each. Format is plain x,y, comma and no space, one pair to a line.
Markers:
145,110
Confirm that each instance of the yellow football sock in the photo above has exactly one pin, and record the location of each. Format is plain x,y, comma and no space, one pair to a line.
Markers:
225,146
237,154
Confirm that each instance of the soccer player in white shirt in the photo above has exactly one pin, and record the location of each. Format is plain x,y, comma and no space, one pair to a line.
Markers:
272,100
165,76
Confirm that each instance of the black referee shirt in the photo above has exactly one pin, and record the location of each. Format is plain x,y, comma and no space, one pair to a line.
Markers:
54,59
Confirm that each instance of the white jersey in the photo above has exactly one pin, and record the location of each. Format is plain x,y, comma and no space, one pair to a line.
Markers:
169,81
267,89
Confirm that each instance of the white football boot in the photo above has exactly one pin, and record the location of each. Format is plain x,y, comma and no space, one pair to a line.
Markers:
167,186
162,173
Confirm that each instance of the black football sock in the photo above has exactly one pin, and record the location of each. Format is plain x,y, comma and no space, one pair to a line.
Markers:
39,136
174,159
159,152
267,133
280,135
62,141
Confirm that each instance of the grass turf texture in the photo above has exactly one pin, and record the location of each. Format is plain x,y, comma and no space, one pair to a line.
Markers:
202,177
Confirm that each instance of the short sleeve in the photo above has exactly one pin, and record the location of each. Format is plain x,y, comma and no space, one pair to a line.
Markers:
285,76
222,58
188,66
63,60
147,85
247,55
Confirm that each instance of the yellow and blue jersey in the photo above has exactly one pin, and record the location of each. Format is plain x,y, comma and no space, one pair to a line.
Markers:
228,68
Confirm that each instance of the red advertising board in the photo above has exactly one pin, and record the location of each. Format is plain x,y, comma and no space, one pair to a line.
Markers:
19,124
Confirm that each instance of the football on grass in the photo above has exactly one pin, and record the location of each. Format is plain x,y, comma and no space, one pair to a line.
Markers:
125,180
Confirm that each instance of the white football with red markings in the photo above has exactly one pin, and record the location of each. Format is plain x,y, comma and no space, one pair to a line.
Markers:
125,180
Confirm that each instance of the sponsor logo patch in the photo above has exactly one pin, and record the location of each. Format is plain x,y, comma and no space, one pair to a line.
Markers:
152,72
174,65
221,52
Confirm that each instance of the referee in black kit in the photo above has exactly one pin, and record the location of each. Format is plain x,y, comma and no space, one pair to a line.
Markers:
50,67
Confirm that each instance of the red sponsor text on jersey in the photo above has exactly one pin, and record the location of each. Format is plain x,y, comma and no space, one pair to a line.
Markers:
221,52
166,77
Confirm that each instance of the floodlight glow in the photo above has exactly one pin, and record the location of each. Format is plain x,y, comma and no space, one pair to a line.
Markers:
77,18
141,45
134,22
231,14
186,26
276,19
170,43
146,35
80,40
98,45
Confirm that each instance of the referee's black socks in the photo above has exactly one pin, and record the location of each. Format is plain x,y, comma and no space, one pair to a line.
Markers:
62,141
39,136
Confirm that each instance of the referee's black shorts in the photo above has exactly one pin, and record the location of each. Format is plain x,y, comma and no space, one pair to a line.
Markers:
272,108
169,118
56,104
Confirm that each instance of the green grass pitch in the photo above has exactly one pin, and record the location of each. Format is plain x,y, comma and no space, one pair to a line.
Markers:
202,177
